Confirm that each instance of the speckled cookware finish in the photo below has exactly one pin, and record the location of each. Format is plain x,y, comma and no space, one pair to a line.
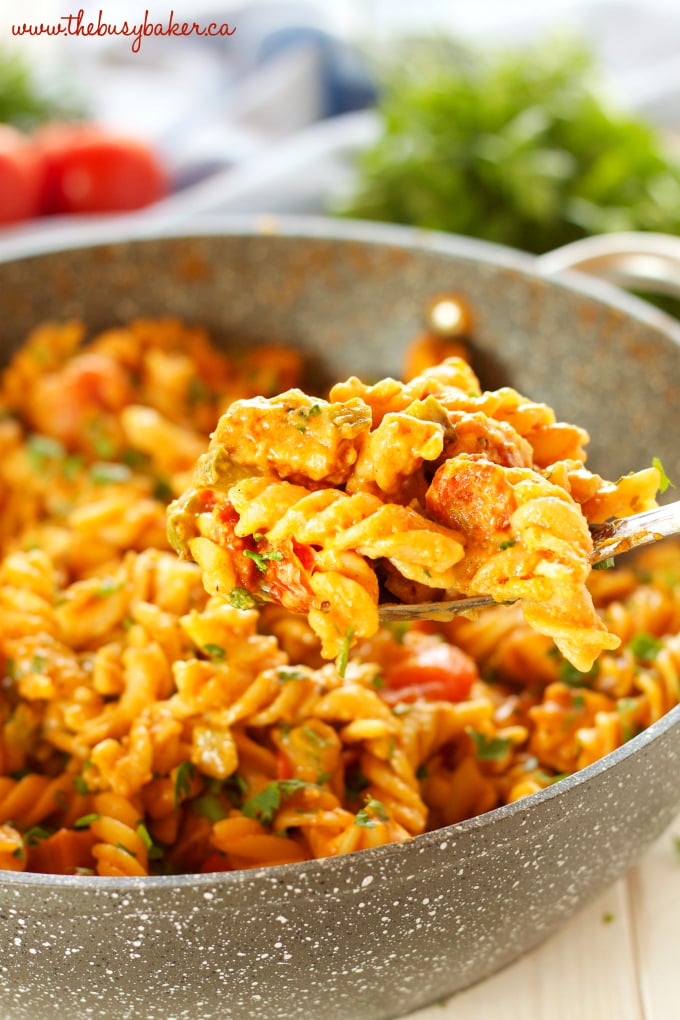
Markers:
376,934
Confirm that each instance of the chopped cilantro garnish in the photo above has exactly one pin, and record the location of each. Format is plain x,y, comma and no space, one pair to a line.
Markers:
341,661
508,543
105,472
121,846
665,481
578,702
260,559
573,677
80,785
19,853
215,651
645,646
240,598
235,788
370,815
134,458
286,676
606,564
626,704
209,806
490,748
162,490
38,663
183,777
422,771
314,738
143,834
265,804
42,450
35,834
85,821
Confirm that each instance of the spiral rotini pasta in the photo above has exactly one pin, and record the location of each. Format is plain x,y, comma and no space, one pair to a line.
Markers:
428,488
151,724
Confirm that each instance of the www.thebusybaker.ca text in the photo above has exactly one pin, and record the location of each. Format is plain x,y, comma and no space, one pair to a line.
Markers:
75,25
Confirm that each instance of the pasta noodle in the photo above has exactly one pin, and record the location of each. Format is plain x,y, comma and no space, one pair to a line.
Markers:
150,724
429,488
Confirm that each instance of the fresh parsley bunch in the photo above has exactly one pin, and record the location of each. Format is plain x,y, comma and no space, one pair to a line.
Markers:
517,147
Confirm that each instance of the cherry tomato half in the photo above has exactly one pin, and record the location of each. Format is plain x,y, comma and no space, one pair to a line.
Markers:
93,170
22,174
435,671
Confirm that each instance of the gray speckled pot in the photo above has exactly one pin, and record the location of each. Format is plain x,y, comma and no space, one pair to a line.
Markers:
379,933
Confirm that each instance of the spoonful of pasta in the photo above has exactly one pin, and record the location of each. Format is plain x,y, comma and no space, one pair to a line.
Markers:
409,501
609,540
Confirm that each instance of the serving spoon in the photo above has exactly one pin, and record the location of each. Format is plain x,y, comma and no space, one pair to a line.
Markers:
609,539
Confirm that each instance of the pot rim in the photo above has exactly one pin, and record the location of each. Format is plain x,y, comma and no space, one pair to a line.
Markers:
129,230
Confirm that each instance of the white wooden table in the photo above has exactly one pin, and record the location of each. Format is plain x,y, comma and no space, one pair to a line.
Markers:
619,959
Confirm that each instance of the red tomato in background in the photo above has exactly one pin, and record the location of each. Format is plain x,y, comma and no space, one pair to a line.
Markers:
435,671
93,170
22,175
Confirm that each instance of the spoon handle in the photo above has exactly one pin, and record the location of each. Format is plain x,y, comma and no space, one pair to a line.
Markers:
609,539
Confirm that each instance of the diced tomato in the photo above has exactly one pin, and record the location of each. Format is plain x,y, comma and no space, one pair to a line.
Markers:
289,578
22,174
435,671
90,169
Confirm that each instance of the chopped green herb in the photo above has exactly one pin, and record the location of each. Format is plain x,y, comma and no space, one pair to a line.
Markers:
286,676
605,564
80,785
162,490
645,646
35,834
209,806
399,629
626,705
215,651
85,821
578,702
19,853
121,846
61,800
104,472
38,663
240,598
72,466
665,480
490,748
198,392
573,677
422,771
508,544
82,871
183,778
341,661
378,681
370,815
134,458
235,788
109,586
264,805
43,450
314,738
102,444
143,834
260,559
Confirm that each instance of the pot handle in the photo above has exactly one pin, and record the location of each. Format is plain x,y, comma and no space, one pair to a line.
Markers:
634,260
